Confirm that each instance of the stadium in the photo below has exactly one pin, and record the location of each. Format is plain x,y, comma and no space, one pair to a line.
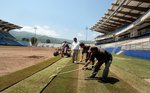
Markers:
124,32
6,38
126,28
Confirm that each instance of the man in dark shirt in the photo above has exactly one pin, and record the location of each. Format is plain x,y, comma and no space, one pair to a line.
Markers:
85,50
102,56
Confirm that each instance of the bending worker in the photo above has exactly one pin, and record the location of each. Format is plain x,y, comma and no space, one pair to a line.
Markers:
85,50
102,56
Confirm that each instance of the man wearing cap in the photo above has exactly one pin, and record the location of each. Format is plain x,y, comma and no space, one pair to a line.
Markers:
102,56
85,50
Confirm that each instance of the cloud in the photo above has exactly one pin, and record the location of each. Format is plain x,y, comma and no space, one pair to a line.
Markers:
40,30
94,35
80,34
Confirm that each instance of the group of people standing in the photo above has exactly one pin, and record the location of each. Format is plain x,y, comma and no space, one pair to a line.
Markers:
92,53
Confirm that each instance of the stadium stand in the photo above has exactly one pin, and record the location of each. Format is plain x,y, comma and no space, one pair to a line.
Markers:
25,43
5,37
126,28
144,54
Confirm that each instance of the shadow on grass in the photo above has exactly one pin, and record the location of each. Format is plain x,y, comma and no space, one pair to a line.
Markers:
110,80
70,77
80,63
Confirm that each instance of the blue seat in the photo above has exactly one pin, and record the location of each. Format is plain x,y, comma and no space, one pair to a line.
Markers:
8,39
143,54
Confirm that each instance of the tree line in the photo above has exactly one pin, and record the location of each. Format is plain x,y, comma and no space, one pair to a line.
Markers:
34,40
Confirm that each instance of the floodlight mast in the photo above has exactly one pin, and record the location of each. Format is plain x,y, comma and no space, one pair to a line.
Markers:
35,28
86,33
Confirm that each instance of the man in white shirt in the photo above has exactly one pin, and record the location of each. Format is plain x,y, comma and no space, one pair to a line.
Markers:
75,50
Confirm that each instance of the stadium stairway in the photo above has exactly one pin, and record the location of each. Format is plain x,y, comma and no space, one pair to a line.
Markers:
120,52
113,50
143,54
25,43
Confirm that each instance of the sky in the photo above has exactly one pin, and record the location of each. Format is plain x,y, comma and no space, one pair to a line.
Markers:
56,18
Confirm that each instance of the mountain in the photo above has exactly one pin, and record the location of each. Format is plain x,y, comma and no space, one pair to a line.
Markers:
41,38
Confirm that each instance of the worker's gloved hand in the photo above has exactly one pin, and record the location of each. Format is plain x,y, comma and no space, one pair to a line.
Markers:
84,68
80,61
110,61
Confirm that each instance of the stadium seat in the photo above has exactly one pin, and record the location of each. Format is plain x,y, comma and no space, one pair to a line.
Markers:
8,39
144,54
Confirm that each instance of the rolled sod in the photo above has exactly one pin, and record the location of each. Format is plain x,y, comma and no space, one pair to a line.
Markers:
36,82
15,77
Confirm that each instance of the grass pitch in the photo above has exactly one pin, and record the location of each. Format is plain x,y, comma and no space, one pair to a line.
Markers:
138,67
36,82
13,78
126,75
65,83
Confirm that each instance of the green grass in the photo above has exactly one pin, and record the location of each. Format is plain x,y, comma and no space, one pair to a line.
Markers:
131,79
36,82
120,82
115,85
65,83
126,76
13,78
139,67
133,71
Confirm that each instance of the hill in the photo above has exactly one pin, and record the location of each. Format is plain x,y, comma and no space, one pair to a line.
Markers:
41,38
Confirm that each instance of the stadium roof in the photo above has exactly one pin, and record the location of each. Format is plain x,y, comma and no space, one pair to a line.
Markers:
121,13
6,26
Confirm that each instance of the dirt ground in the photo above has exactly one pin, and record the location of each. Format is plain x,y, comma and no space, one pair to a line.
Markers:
13,58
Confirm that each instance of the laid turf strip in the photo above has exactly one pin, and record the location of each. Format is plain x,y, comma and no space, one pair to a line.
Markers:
123,78
139,67
114,85
13,78
126,76
139,84
132,71
36,82
65,83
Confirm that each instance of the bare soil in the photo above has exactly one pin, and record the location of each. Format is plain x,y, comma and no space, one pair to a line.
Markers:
13,58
